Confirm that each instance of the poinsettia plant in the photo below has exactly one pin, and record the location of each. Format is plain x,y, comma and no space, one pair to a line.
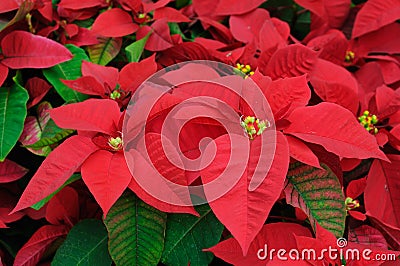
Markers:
199,132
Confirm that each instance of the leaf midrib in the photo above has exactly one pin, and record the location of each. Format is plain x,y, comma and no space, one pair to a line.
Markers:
93,249
4,123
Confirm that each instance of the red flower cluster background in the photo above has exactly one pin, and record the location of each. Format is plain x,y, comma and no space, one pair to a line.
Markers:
330,71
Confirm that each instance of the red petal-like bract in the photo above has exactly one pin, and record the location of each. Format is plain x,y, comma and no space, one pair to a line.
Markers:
356,188
274,236
183,52
37,89
374,15
149,6
6,6
11,171
114,23
287,94
133,74
56,169
99,115
382,195
331,46
227,7
299,151
3,73
157,150
108,182
24,50
170,14
31,253
333,83
103,74
248,209
86,85
367,235
291,61
63,208
246,28
160,38
336,129
332,12
76,4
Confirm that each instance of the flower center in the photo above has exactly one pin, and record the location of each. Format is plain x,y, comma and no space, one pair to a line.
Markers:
115,143
115,95
349,56
368,121
253,126
141,18
351,204
245,69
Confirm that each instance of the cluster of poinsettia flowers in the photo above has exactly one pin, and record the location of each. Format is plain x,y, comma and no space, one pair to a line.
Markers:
333,95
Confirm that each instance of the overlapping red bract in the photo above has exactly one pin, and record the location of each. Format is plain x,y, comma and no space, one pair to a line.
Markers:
316,87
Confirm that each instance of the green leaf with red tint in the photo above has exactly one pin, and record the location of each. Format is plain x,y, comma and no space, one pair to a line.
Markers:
319,194
136,231
105,51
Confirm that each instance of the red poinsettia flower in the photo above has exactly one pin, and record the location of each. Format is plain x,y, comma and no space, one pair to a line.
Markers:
334,128
108,83
98,143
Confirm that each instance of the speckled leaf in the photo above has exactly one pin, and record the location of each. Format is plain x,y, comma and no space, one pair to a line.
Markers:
33,129
86,244
105,51
187,235
136,231
51,134
319,194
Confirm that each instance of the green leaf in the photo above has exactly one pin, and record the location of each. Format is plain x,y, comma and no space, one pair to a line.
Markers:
136,231
12,116
67,70
105,51
175,29
86,244
134,50
319,194
51,134
187,235
182,3
40,204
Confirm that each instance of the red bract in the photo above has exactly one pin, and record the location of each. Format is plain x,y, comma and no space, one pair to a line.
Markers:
62,212
374,15
272,236
10,171
98,124
107,83
114,23
24,50
251,207
382,182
